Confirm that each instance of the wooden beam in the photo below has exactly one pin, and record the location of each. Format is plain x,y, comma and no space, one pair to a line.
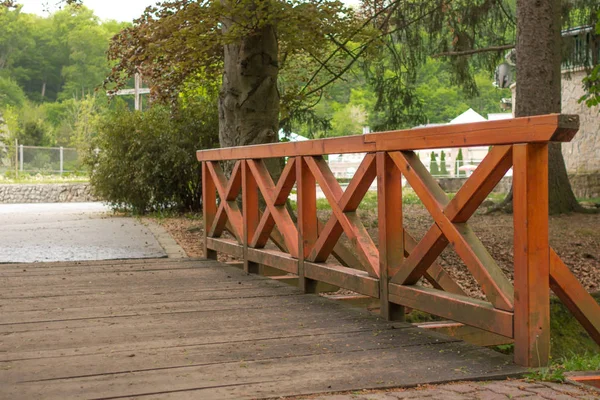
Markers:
391,231
545,128
531,254
574,296
347,278
308,223
273,258
251,215
469,334
226,246
209,208
473,312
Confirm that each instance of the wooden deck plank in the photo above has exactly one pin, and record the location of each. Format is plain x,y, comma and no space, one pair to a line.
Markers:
200,329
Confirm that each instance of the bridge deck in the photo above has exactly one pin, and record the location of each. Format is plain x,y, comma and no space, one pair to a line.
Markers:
200,329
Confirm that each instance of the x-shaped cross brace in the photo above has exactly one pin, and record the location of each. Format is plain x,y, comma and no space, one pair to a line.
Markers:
450,223
344,217
275,199
228,208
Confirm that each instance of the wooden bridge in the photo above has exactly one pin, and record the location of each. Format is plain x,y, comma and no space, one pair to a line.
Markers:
202,329
392,270
198,329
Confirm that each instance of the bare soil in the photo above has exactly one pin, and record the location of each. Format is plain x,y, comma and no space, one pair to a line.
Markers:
575,237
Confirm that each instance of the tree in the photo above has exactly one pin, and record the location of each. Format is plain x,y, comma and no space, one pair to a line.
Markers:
433,165
443,168
459,163
538,47
539,85
245,44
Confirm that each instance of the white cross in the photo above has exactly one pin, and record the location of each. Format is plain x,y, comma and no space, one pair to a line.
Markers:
137,91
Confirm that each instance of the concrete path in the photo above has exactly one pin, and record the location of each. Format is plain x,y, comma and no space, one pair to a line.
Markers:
71,232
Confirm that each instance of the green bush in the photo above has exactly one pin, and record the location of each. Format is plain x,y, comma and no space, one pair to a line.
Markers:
11,93
443,169
434,169
459,163
145,162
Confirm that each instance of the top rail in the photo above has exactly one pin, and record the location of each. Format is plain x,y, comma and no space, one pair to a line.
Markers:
543,128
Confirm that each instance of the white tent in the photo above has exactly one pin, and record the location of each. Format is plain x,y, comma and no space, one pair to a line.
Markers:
292,137
467,117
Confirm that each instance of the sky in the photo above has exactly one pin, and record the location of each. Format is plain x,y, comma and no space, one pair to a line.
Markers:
120,10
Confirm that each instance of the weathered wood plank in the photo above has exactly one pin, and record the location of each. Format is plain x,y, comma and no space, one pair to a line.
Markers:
211,332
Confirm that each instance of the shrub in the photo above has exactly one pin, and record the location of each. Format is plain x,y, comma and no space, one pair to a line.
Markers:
443,169
459,163
11,93
433,165
145,162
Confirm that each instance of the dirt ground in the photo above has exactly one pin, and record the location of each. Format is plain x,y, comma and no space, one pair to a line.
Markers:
575,237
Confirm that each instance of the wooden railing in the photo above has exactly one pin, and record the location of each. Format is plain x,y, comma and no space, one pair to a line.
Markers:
391,270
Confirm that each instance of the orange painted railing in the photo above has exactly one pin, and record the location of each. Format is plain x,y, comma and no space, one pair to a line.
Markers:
391,270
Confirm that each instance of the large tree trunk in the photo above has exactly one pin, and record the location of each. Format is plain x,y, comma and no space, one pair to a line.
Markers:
539,85
249,98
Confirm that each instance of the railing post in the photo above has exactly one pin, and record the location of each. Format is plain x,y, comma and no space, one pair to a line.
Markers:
391,231
531,255
307,220
209,207
61,160
250,214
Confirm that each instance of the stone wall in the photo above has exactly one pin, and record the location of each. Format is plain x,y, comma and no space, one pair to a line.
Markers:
582,155
49,193
585,186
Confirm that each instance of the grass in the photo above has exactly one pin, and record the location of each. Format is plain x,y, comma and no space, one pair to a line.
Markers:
369,202
26,178
572,349
575,362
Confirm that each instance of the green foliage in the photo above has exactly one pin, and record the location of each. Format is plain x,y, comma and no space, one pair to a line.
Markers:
58,57
443,168
11,93
434,168
574,362
443,99
179,39
459,163
592,85
546,374
587,361
146,161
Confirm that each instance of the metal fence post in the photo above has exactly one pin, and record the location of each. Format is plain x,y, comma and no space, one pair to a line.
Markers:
21,157
61,160
17,158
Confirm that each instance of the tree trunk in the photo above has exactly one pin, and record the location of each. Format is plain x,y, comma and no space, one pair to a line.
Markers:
249,98
539,85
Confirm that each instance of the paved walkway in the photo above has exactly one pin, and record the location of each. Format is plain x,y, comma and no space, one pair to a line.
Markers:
71,231
496,390
194,329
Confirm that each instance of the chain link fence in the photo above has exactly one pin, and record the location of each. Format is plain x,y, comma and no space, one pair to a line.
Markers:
48,160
